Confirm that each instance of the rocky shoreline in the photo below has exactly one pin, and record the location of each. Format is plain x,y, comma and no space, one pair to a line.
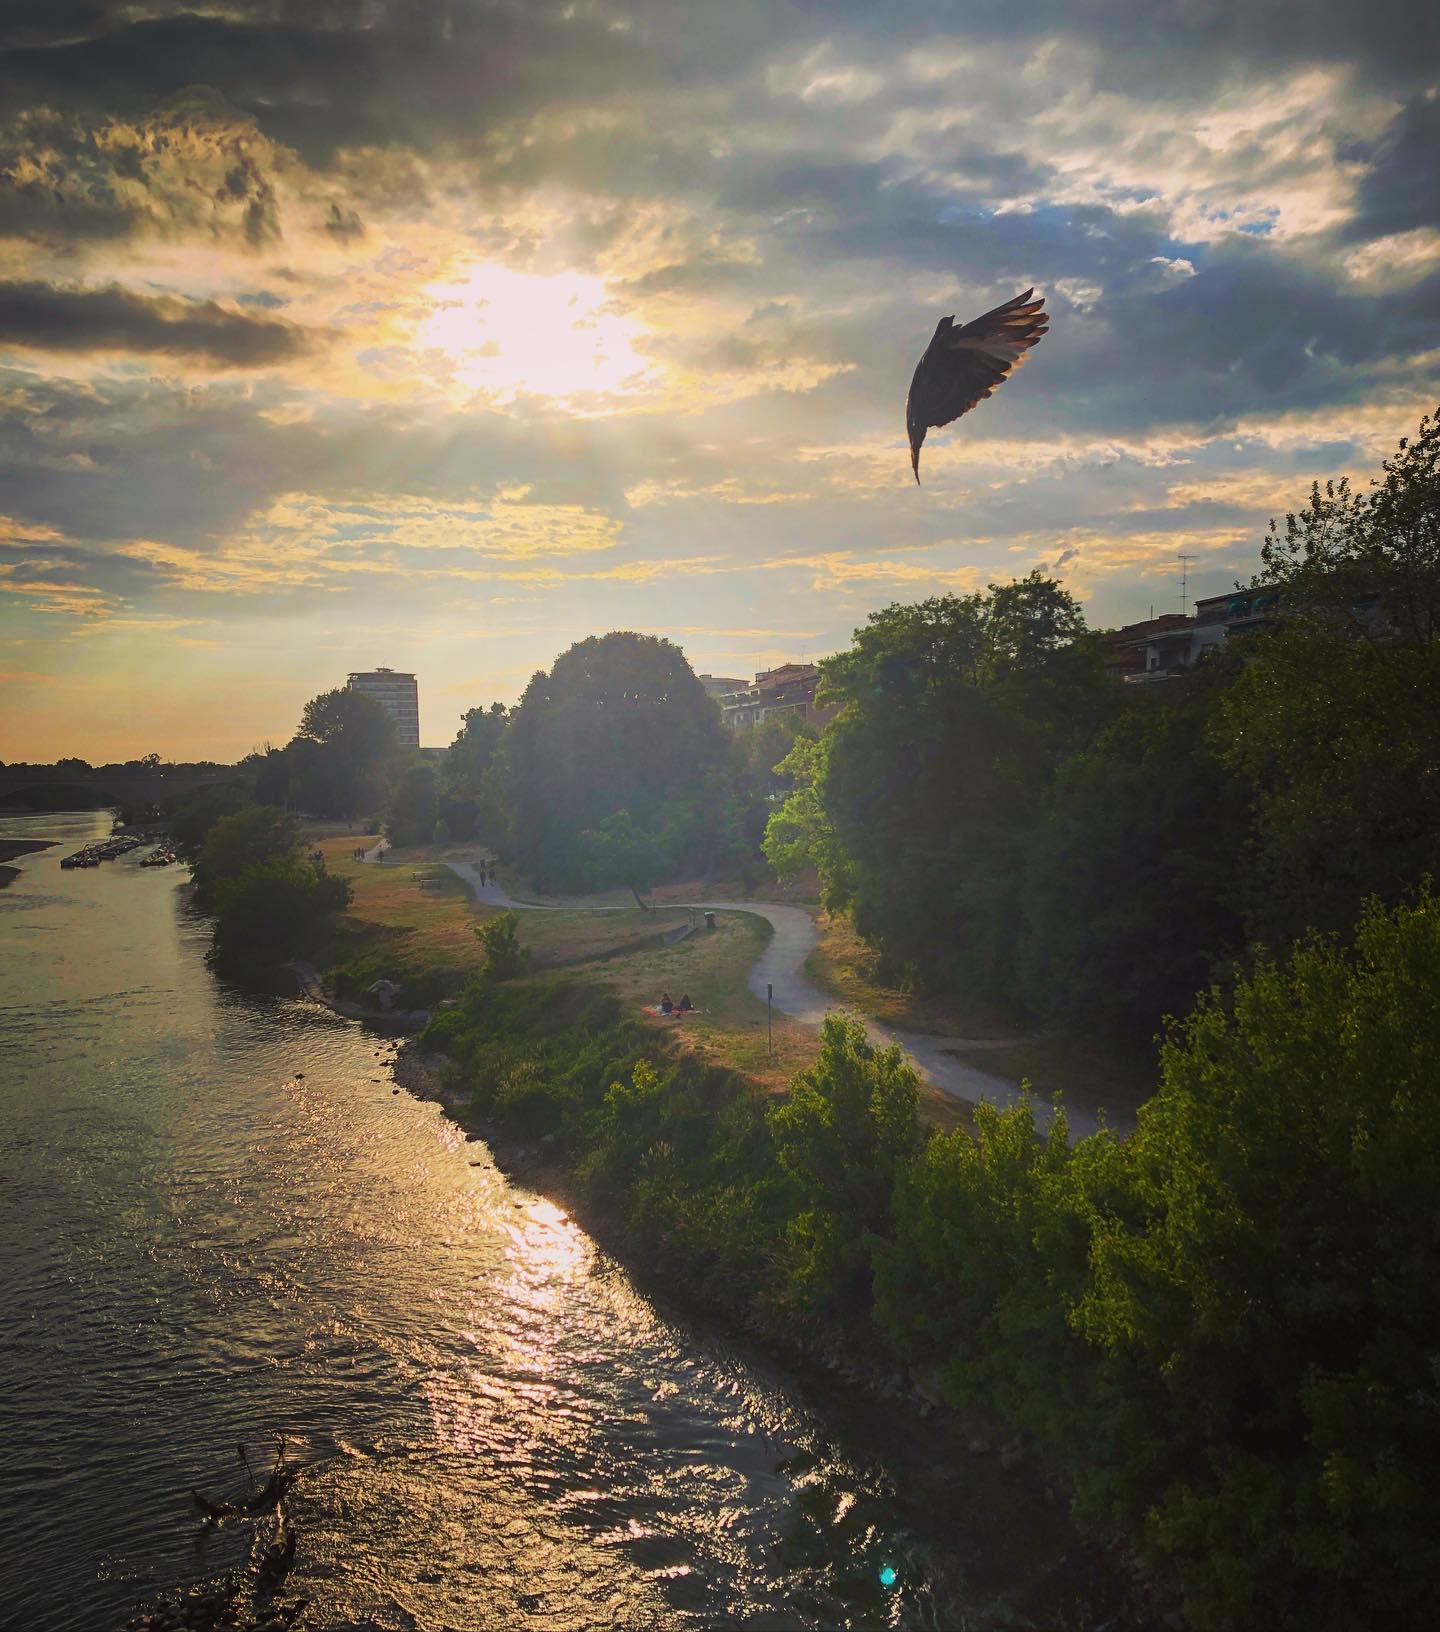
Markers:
313,986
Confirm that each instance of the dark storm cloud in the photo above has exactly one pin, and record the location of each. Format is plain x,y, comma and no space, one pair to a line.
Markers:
40,317
320,77
1402,188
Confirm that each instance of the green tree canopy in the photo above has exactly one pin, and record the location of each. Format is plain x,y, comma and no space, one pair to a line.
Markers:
848,1124
470,755
1262,1268
192,815
955,715
411,815
343,754
1134,878
1334,721
253,836
619,723
622,855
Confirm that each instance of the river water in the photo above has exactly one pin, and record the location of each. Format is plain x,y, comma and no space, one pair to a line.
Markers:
219,1221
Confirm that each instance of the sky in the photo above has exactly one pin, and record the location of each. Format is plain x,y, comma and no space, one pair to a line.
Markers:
441,334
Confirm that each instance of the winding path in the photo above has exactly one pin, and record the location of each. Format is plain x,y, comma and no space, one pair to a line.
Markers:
782,966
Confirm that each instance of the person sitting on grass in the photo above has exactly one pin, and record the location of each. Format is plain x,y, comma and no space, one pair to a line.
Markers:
666,1006
685,1006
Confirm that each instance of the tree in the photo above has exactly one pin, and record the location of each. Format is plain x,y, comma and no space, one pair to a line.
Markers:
1334,721
471,753
620,723
499,938
349,752
1262,1267
848,1124
955,717
412,813
252,837
1133,880
268,907
622,855
192,815
799,834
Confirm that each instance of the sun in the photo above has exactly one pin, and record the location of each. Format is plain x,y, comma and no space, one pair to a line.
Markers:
506,334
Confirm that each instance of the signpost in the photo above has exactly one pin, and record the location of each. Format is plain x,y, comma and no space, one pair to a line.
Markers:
769,1032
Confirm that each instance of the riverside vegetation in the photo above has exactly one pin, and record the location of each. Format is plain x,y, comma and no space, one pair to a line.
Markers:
1218,1335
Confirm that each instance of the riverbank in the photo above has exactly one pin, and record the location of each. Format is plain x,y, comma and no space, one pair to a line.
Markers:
12,850
593,1152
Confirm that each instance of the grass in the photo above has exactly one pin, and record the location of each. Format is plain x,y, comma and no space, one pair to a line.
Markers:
414,920
843,965
1117,1076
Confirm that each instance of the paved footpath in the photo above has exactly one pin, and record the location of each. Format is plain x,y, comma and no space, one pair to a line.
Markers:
782,966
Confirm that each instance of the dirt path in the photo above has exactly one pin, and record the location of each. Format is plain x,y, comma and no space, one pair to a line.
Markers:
782,966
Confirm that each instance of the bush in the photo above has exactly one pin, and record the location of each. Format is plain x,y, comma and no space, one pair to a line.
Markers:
269,907
849,1122
500,938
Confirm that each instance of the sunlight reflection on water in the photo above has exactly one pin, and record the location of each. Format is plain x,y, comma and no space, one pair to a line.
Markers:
221,1226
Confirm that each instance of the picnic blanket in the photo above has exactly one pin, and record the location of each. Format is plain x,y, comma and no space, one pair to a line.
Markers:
660,1014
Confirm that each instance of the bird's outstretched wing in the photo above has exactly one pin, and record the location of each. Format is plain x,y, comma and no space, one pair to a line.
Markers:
963,366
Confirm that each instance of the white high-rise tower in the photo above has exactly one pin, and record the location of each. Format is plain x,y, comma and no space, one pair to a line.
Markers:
398,695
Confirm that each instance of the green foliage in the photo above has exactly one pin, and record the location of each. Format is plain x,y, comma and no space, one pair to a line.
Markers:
268,908
1268,1258
620,854
847,1124
1129,901
676,1151
253,836
1333,724
192,815
619,724
955,716
342,756
799,834
499,938
471,754
971,1286
412,812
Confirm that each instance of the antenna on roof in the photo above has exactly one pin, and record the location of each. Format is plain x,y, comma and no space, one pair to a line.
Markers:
1184,561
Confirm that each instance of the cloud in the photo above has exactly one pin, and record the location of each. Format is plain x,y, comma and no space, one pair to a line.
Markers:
758,211
40,317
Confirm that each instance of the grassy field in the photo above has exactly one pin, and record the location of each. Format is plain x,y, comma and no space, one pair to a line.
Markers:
414,920
1109,1074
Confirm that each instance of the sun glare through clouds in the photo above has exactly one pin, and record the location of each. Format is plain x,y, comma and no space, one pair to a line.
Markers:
507,334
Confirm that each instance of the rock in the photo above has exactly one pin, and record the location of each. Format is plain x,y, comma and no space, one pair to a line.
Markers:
1011,1457
980,1447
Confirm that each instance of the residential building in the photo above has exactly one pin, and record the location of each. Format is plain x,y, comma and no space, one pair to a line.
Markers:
398,695
1166,647
717,685
790,689
1150,650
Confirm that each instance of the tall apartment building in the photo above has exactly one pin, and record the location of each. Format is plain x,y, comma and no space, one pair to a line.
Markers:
398,695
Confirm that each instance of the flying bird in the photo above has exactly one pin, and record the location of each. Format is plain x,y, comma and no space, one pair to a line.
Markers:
960,366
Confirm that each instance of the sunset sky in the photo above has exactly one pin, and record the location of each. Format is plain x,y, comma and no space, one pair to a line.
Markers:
338,333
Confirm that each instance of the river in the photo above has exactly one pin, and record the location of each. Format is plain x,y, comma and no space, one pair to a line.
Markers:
220,1221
